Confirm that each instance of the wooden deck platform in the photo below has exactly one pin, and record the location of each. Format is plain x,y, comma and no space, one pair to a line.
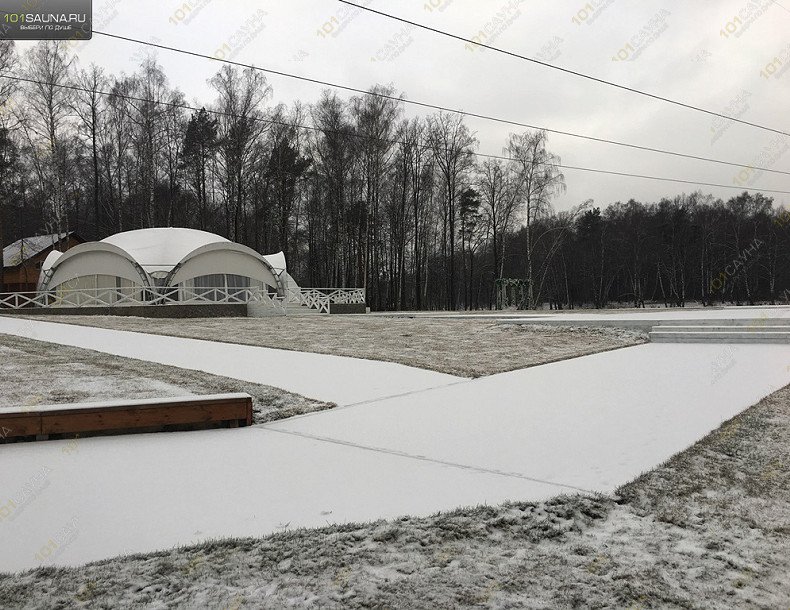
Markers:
125,417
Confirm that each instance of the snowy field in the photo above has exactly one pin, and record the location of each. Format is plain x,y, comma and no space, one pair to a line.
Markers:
466,346
525,435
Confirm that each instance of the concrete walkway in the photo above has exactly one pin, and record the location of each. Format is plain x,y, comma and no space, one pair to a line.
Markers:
335,379
589,424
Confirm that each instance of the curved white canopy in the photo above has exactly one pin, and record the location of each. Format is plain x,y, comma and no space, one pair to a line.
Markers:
159,250
178,255
93,258
224,257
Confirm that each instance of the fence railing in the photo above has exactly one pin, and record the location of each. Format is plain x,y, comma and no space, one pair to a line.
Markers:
322,298
137,296
319,299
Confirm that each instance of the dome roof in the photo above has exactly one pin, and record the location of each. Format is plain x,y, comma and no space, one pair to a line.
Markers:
159,250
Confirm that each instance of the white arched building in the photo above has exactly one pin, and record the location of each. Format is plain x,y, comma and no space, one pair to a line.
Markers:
178,263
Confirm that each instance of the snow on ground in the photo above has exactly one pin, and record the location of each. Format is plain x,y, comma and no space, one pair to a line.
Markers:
37,373
709,529
142,493
323,377
590,423
469,347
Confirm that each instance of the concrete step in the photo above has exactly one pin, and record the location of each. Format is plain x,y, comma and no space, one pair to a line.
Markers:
759,322
661,335
723,329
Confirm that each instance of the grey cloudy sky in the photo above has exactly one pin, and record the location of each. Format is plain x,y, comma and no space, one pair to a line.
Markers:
731,56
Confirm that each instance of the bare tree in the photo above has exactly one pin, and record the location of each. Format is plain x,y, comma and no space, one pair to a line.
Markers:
147,113
539,179
118,143
375,117
45,120
88,105
452,144
241,96
8,62
498,192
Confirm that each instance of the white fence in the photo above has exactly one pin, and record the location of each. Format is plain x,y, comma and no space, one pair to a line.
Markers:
319,299
322,298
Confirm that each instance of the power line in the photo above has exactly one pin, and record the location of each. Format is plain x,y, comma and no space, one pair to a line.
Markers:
368,138
435,106
565,70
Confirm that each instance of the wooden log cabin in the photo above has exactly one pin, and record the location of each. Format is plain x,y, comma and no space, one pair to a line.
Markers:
22,260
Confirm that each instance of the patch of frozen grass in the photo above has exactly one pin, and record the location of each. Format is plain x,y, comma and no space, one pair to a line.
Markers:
464,347
37,373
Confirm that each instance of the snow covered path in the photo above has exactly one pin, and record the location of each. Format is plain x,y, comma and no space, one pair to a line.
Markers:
142,493
335,379
590,423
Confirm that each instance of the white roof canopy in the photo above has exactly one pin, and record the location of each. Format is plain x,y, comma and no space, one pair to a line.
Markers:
174,254
159,250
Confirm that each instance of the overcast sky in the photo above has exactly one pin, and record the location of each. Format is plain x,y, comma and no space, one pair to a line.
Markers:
708,53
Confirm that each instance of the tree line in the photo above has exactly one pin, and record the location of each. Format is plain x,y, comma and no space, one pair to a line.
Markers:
355,193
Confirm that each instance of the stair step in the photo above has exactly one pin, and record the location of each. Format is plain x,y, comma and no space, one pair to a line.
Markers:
761,322
719,329
663,336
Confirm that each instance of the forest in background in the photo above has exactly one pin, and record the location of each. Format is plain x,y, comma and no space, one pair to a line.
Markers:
357,194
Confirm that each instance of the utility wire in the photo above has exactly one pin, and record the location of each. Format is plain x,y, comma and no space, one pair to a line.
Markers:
435,106
369,139
565,70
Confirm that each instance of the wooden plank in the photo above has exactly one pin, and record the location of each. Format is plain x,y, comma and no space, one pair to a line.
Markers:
200,412
15,425
137,417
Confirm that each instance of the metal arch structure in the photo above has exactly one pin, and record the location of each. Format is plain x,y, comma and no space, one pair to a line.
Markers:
103,259
216,257
511,293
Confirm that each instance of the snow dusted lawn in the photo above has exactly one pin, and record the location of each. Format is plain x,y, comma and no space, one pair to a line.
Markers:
38,373
328,378
708,529
589,424
467,347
